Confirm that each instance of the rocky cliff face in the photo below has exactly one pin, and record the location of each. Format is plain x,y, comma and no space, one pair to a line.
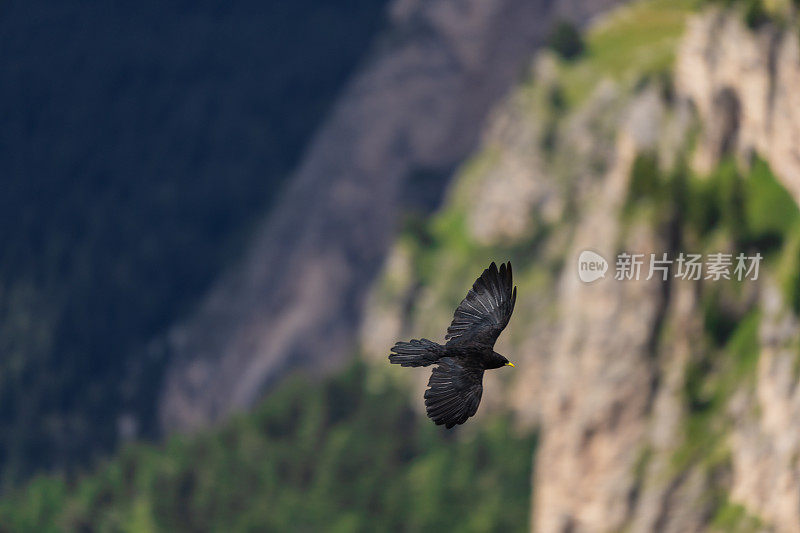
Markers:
744,85
662,405
413,112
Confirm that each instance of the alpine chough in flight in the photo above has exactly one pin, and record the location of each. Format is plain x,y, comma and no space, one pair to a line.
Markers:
456,384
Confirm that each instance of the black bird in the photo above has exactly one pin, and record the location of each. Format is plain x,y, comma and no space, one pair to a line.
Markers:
456,384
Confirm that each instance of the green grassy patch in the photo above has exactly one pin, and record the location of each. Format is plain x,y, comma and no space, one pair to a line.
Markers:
734,518
771,214
635,41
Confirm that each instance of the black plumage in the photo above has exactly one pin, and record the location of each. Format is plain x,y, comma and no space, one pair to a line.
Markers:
456,384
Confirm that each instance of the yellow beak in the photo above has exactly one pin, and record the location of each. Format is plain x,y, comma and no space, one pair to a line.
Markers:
509,364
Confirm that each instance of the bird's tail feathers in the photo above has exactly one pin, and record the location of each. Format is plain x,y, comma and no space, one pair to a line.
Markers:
422,352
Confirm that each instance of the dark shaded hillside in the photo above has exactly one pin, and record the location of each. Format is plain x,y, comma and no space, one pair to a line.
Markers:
139,142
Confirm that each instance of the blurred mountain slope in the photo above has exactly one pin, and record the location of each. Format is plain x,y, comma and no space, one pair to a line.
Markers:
140,143
660,405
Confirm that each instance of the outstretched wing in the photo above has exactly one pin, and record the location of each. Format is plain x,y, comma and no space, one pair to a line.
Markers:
482,315
454,392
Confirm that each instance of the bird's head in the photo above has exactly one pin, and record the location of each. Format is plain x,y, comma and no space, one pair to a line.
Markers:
499,361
